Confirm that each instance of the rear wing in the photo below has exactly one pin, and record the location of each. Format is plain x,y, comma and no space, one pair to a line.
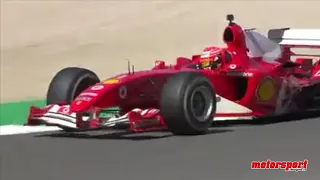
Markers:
309,38
296,38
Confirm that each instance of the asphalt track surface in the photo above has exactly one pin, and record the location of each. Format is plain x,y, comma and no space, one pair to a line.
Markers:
225,153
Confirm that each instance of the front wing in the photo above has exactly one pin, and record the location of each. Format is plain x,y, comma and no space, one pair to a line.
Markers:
136,120
58,115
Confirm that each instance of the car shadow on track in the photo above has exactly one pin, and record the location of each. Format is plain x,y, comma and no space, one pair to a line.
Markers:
123,135
299,116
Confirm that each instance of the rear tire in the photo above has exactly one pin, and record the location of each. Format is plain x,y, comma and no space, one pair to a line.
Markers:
188,103
316,97
68,83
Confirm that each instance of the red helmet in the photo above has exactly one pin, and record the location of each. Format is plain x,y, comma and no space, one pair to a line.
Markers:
211,57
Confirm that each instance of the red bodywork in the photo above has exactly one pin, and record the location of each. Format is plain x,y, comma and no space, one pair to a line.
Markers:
238,81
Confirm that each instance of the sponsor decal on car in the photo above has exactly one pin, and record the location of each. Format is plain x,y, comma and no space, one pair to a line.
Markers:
232,66
64,110
111,81
78,102
84,98
88,94
317,73
238,73
97,87
266,90
80,99
285,165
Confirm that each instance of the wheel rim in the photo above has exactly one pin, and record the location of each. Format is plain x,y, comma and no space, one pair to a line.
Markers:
201,103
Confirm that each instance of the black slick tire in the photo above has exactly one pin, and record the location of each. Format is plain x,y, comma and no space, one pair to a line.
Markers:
69,83
188,103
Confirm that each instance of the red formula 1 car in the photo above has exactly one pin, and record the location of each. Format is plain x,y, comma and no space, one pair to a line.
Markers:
253,76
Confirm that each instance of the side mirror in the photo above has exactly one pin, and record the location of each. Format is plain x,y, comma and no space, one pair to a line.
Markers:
159,64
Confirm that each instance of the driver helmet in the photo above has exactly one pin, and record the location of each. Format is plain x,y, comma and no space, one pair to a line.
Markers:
211,58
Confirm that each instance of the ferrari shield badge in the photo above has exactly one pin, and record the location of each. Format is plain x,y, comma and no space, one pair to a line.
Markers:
266,90
123,92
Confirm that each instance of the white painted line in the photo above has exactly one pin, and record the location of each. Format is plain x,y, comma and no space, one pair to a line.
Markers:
233,118
18,129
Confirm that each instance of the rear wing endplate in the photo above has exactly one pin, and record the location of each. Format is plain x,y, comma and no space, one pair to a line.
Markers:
304,38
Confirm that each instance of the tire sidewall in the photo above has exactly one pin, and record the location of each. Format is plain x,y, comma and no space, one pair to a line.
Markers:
187,109
64,87
175,103
73,90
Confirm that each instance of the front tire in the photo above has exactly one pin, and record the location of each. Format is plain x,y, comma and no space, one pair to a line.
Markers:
68,83
188,103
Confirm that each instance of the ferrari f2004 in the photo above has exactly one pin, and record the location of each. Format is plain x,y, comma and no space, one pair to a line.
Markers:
252,76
